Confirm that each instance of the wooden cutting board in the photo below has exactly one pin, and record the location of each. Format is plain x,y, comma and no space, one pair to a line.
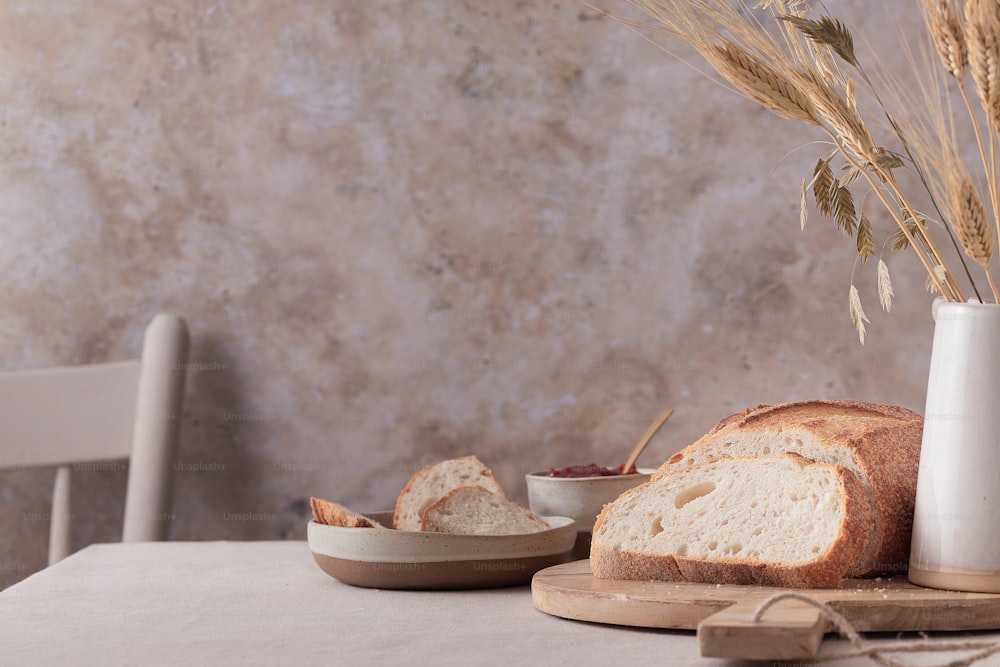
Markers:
721,614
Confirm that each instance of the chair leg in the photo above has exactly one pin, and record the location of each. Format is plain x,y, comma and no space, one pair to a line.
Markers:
61,525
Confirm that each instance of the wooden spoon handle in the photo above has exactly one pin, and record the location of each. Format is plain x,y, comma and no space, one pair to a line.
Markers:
650,432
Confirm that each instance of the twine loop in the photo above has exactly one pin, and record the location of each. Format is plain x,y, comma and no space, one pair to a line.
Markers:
877,652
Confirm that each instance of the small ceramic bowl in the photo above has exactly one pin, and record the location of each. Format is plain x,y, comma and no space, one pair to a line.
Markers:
581,498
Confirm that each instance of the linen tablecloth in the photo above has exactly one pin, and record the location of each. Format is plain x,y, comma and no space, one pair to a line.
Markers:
267,603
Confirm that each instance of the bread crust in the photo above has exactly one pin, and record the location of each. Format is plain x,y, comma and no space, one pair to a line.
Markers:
611,563
330,513
418,477
884,441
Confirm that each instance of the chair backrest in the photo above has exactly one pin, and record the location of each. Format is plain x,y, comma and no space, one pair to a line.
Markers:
103,412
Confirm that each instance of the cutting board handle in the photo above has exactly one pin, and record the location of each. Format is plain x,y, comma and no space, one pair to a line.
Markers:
789,630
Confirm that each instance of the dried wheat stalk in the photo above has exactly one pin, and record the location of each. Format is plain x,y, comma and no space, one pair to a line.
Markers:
948,287
948,35
861,150
970,222
840,117
809,71
971,225
761,83
938,149
982,28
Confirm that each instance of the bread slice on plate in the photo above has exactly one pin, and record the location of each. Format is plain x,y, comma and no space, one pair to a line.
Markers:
334,514
432,483
472,510
776,521
880,444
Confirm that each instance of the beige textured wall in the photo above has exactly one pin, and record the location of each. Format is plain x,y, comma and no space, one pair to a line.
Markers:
404,231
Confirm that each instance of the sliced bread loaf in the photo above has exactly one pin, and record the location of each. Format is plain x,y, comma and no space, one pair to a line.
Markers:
334,514
430,484
777,521
880,444
472,510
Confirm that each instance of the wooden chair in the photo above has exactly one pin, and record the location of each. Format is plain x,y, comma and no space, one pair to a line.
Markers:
101,412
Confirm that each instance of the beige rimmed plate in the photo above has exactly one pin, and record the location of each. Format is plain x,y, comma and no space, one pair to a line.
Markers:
400,559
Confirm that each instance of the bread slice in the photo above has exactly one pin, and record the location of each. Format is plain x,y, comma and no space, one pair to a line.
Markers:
472,510
880,444
430,484
334,514
776,521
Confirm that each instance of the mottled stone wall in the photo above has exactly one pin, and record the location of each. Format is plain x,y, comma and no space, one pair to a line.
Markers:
405,231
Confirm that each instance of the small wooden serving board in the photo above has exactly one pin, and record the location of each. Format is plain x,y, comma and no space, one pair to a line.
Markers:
721,613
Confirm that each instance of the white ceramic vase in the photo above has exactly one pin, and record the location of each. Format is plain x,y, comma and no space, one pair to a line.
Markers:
956,522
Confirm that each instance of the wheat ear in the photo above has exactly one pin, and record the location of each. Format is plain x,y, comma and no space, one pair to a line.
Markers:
971,225
934,136
840,116
982,29
948,35
972,229
760,82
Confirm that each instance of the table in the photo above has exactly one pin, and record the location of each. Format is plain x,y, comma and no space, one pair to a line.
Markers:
267,603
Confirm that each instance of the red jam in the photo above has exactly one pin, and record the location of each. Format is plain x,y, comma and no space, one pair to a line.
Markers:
589,470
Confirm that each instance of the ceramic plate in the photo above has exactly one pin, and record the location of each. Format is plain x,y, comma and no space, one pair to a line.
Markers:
387,558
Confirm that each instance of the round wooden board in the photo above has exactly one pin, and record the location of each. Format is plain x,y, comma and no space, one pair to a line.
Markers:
871,605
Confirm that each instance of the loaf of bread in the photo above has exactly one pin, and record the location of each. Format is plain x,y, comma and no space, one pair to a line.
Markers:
433,482
874,448
776,520
334,514
472,510
880,444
